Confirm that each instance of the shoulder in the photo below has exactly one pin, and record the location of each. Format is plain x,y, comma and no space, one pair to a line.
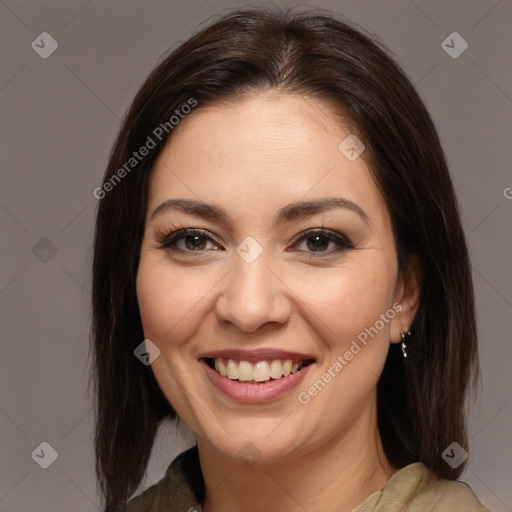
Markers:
432,494
155,498
180,488
148,501
449,496
415,488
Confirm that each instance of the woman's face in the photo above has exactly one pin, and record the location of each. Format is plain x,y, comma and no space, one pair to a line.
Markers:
289,262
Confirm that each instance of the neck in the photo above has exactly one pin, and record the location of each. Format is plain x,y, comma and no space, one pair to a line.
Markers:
335,476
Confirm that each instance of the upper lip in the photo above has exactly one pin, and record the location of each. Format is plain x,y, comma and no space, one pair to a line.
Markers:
255,355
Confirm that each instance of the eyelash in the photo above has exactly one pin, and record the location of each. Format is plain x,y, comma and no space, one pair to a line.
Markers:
169,240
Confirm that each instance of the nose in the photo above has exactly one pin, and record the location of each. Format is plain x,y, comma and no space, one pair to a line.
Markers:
252,296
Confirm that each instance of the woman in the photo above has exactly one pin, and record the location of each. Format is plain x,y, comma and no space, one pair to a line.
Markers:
279,261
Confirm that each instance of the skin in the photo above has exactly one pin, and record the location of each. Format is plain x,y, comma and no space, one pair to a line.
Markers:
252,157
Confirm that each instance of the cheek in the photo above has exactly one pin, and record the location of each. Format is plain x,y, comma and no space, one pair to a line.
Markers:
349,299
169,300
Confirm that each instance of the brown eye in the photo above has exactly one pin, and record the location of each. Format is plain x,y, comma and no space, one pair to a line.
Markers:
318,242
194,242
322,242
187,240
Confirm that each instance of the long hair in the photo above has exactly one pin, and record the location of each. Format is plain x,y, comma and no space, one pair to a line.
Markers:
421,405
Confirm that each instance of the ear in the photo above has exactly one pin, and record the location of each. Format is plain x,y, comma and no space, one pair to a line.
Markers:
407,294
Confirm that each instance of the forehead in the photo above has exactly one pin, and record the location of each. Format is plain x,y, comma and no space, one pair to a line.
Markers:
267,149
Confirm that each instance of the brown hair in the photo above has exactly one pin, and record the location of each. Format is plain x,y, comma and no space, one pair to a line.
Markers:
421,404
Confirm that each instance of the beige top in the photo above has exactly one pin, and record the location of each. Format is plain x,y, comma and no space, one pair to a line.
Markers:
414,488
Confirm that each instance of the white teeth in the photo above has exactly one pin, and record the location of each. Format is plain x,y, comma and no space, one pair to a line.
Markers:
287,368
232,370
244,371
276,369
261,371
222,368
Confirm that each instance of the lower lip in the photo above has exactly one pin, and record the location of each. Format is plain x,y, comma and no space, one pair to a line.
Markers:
254,393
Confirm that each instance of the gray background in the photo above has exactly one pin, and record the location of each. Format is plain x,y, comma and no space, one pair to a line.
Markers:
59,118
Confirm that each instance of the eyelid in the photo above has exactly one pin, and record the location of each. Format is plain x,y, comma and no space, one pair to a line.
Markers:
165,240
169,240
329,233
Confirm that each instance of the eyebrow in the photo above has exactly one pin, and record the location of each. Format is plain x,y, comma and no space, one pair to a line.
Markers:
288,213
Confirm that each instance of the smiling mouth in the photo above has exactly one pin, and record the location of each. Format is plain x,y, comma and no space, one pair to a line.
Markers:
259,372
